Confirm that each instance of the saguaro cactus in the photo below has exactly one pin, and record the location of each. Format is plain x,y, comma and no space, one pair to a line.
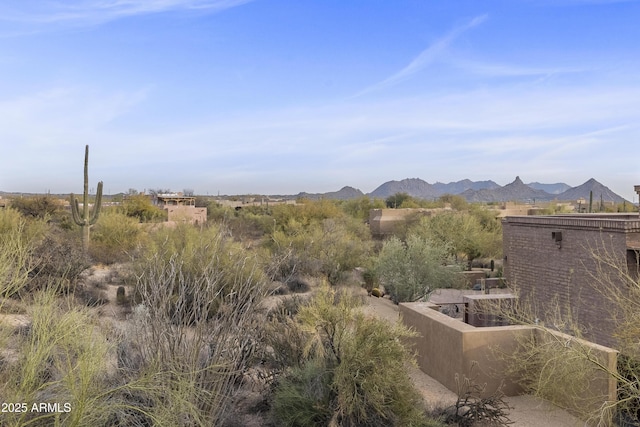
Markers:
86,219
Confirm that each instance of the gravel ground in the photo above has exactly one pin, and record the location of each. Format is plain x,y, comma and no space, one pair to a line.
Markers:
527,411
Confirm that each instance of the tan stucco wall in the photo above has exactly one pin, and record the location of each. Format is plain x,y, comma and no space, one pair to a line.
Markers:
190,214
386,221
447,347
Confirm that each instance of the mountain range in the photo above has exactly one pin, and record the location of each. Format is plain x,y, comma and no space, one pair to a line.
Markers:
472,191
480,191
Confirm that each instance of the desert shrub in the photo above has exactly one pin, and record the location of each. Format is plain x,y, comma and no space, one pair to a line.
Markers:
400,200
287,308
359,208
217,213
410,271
141,207
358,365
628,405
283,338
198,250
476,407
558,368
63,360
41,207
305,212
249,223
196,323
329,248
467,234
370,279
115,238
298,285
91,296
60,259
303,398
18,241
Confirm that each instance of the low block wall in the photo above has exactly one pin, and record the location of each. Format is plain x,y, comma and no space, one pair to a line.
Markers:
448,347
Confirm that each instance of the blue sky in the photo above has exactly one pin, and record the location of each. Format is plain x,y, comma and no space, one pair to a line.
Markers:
279,97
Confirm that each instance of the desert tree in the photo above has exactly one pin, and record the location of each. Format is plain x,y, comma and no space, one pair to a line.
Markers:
411,270
463,233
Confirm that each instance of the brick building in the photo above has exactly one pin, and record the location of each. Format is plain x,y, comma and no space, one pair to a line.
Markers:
549,260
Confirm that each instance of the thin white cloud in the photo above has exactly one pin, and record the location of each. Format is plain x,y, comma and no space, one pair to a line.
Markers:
27,17
487,69
426,57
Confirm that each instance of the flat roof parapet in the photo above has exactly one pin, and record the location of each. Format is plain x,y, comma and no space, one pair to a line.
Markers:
625,223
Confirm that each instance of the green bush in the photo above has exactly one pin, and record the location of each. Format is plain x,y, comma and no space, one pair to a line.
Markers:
41,207
467,234
359,208
199,295
328,248
60,259
115,238
303,397
410,271
141,207
19,239
354,370
61,360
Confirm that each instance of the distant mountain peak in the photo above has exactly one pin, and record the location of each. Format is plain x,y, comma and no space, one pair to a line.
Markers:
592,186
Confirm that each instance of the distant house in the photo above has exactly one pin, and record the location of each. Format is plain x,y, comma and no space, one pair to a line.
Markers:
181,208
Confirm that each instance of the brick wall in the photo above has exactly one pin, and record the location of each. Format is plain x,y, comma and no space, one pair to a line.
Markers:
556,271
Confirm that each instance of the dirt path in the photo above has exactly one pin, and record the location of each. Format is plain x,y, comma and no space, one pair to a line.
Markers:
527,411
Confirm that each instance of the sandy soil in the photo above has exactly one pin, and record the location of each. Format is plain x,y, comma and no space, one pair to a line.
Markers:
527,411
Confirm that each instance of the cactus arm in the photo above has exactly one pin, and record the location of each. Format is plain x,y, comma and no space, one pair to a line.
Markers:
97,205
75,210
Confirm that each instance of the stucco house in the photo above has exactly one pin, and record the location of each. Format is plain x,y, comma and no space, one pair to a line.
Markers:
181,208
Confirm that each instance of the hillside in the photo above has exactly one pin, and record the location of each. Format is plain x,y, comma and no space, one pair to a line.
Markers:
556,188
591,186
517,190
345,193
414,187
464,185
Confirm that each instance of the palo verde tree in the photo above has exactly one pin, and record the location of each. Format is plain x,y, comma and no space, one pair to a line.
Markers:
86,219
411,270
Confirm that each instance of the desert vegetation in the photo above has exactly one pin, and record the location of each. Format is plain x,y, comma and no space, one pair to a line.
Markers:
256,314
